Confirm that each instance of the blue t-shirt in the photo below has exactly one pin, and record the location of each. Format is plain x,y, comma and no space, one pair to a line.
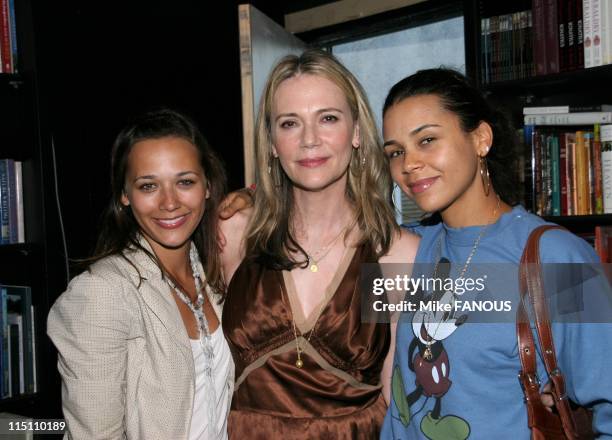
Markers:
470,388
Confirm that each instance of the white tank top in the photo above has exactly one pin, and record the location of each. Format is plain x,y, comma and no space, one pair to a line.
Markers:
200,429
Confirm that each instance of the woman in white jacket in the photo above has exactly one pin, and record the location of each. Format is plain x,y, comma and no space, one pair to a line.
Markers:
141,351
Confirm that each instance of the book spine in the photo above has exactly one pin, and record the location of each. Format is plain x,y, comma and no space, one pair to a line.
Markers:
13,233
579,60
539,37
606,31
606,167
19,204
596,32
583,118
483,50
587,32
5,37
562,32
546,110
571,35
571,150
529,172
552,37
4,203
538,167
6,377
33,343
581,174
589,193
555,175
494,47
528,44
563,174
597,184
14,47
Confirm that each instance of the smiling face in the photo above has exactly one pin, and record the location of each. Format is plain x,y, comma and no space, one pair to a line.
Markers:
166,189
313,131
432,159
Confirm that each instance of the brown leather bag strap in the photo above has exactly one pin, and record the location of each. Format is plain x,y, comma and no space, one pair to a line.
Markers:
532,292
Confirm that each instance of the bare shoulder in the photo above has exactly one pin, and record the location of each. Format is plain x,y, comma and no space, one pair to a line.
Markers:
403,248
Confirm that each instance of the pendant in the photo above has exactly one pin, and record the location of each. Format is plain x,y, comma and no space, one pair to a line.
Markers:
427,355
299,363
314,268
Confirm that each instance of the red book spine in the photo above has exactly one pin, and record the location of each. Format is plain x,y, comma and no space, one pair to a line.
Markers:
5,37
552,36
539,38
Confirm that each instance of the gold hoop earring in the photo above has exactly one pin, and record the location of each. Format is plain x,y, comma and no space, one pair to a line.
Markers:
484,175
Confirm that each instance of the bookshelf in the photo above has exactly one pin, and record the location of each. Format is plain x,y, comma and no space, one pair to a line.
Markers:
33,263
578,87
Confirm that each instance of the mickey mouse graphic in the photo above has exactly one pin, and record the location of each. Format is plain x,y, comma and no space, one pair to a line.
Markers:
431,366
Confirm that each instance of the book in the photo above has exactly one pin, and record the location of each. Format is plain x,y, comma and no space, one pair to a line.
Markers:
4,203
552,36
539,37
606,19
17,355
19,300
603,243
553,145
6,378
596,32
554,109
606,167
19,202
563,174
562,19
579,20
12,205
13,35
581,118
5,37
587,33
597,201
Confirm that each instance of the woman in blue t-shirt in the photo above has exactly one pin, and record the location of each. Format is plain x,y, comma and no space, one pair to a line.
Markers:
453,154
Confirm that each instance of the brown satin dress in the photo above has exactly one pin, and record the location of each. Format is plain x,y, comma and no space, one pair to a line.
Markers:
337,393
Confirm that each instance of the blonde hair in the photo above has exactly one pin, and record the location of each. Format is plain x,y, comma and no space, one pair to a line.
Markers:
269,238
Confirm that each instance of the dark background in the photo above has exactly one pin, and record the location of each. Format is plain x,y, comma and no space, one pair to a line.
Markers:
99,62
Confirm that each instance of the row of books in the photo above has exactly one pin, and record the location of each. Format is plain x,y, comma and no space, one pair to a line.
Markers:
571,171
18,347
506,47
12,227
554,36
8,37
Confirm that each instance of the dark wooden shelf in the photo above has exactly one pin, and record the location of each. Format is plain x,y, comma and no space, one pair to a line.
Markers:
592,78
581,223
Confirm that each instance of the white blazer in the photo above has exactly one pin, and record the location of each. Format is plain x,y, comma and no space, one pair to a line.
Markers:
124,354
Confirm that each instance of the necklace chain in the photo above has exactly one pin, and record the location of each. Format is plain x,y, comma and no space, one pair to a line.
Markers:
299,363
313,264
427,355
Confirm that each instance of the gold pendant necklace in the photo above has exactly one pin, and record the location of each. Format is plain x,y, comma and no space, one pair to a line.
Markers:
313,264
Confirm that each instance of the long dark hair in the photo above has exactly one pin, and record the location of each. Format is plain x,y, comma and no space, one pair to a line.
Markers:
119,228
457,95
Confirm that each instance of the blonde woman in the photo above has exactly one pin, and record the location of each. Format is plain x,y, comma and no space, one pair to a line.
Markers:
306,366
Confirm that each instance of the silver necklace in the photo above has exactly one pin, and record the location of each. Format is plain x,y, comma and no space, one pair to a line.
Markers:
197,309
427,354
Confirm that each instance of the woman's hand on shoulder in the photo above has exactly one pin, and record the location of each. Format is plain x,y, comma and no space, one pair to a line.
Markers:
403,248
232,232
